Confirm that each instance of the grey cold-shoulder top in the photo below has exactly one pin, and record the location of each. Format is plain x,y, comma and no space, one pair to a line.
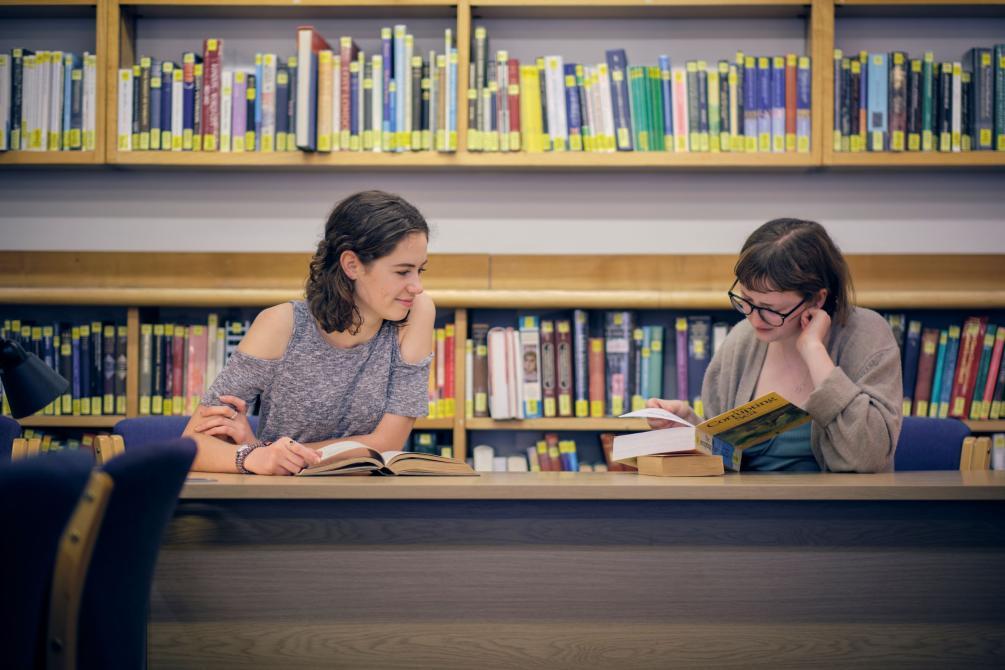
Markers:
318,392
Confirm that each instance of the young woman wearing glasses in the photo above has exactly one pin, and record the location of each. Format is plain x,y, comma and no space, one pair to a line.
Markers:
804,339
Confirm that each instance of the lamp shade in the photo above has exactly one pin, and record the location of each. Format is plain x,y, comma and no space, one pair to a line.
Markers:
28,383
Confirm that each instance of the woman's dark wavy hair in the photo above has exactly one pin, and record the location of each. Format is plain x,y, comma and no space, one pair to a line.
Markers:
797,255
370,224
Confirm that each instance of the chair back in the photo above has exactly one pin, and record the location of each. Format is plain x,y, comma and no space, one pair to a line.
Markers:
143,430
9,431
116,595
929,444
37,496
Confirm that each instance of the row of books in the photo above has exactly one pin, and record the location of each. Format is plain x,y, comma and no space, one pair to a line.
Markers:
952,372
179,362
753,104
91,356
566,368
892,102
550,454
442,401
47,100
318,100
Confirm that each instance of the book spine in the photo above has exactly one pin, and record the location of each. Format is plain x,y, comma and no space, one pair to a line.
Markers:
666,91
597,378
698,356
530,359
999,103
548,369
957,107
940,362
898,101
914,105
125,111
971,338
655,389
778,99
928,92
803,116
581,351
791,65
680,327
639,380
949,371
926,370
563,367
878,100
617,64
912,349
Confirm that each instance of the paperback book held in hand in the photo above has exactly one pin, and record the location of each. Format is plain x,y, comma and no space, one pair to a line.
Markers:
725,435
335,462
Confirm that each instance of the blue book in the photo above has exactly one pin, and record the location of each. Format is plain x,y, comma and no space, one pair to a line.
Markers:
167,74
156,108
949,370
699,353
387,54
400,72
354,106
803,119
617,65
877,91
912,350
580,362
76,374
573,114
778,104
940,360
452,99
69,62
666,86
763,104
258,98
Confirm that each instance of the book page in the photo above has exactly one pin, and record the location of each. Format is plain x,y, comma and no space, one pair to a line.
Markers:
329,451
656,413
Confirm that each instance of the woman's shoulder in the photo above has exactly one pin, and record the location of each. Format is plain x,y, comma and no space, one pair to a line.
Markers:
415,337
270,332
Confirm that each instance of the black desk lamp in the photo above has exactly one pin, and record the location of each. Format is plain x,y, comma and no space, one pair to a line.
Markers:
28,383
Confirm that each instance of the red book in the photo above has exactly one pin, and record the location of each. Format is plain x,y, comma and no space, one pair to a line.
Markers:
178,371
212,75
513,98
548,371
563,366
348,52
790,102
989,386
449,363
598,382
195,372
926,370
971,341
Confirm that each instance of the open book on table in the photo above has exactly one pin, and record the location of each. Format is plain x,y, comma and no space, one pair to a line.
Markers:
725,435
334,461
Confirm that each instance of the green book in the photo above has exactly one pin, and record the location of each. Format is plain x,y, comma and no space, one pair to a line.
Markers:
927,102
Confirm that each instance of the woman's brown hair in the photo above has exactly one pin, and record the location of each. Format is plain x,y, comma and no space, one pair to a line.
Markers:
797,255
370,224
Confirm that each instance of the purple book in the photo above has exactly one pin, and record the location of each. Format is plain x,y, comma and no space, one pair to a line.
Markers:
239,110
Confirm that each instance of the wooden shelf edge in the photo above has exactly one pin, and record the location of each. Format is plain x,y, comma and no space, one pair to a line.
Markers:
611,424
933,160
50,158
993,426
48,421
479,299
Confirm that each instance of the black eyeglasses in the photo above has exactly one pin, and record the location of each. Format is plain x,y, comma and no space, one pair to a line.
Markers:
769,316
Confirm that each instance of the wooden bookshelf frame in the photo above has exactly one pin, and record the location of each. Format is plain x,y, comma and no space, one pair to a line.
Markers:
115,32
463,282
68,158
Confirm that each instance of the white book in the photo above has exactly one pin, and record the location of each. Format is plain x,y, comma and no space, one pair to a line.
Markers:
5,102
226,109
498,378
516,463
516,377
529,362
377,106
399,85
88,121
558,127
54,123
305,75
606,108
407,97
177,108
483,457
268,93
957,120
43,112
39,101
125,111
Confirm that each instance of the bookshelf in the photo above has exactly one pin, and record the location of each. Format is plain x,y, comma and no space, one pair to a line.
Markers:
118,32
17,13
462,283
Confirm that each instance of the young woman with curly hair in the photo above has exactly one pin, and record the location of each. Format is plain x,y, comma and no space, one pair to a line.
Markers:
351,361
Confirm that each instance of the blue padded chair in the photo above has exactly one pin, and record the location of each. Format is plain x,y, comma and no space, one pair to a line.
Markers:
37,498
929,444
144,430
112,625
9,430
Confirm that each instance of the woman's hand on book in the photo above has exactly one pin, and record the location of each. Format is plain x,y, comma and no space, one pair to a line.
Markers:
678,407
227,422
285,456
